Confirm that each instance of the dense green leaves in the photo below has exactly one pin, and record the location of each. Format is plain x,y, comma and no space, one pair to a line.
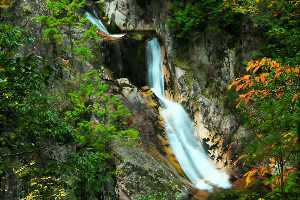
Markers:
55,144
278,23
66,30
193,16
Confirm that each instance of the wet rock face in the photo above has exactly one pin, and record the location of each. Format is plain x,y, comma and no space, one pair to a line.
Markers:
217,128
146,17
215,118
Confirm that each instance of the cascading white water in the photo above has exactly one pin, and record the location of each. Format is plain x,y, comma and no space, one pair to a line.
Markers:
180,130
154,62
97,22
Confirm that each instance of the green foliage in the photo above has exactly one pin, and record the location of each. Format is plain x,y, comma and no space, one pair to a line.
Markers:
65,23
56,144
159,196
292,184
238,194
194,16
109,114
278,23
28,119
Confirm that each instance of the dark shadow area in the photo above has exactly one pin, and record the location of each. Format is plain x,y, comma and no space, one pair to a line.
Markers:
126,58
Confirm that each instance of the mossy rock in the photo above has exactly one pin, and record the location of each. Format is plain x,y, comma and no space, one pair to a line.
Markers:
140,175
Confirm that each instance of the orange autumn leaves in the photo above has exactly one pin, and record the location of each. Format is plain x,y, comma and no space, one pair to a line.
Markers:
255,173
262,173
268,77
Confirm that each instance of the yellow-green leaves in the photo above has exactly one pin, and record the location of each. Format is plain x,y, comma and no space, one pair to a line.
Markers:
5,3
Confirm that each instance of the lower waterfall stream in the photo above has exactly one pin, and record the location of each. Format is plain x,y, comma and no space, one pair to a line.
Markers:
180,130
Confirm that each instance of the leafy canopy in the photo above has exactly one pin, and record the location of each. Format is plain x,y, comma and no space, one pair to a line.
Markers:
55,143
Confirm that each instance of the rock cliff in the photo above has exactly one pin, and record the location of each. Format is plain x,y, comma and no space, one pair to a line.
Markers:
198,71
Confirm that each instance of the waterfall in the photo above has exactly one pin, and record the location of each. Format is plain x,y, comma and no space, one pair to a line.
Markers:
180,130
97,22
155,77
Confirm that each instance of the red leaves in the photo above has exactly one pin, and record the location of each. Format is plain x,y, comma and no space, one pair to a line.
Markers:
264,72
263,78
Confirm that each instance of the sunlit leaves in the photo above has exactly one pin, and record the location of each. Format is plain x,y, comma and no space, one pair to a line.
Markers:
254,174
83,52
264,174
268,78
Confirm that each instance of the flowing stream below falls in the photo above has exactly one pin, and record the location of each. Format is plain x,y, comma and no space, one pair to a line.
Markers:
180,130
179,127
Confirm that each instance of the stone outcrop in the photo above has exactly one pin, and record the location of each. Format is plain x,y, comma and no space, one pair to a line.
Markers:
215,57
133,15
141,175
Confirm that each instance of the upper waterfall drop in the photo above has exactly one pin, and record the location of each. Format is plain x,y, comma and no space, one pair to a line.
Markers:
180,130
97,22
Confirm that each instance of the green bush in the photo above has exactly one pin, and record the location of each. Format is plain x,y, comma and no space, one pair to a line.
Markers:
194,16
